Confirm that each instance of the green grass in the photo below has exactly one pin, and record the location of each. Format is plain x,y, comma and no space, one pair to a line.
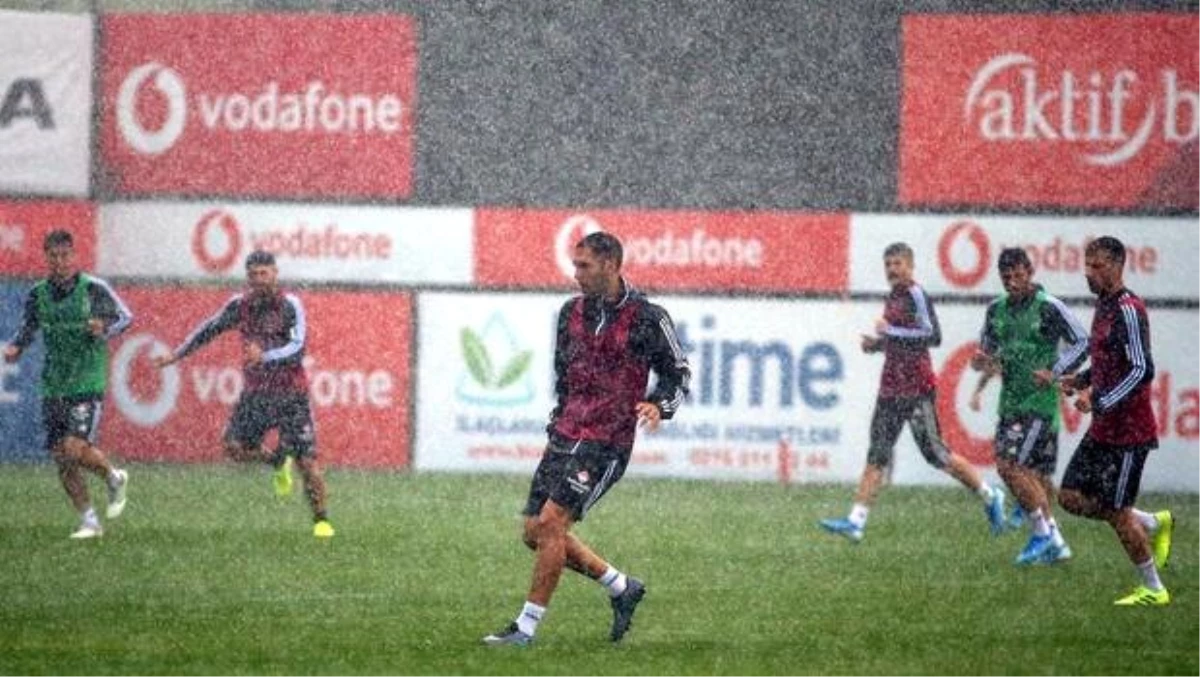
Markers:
208,574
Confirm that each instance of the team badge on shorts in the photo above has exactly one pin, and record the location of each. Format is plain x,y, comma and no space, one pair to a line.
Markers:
1014,435
580,482
80,414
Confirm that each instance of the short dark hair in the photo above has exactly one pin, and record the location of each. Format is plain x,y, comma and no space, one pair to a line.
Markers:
1012,257
898,249
57,238
258,257
603,245
1109,244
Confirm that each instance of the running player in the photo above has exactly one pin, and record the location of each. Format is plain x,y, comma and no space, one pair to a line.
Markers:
77,314
273,330
907,394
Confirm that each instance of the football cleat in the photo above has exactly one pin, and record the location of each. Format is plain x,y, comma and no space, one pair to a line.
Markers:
1035,550
511,635
88,530
623,606
1161,541
995,511
282,478
323,529
1056,553
1143,596
116,493
843,527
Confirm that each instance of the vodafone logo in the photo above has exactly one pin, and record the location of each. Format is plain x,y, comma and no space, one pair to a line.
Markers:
169,86
574,229
216,241
963,254
131,364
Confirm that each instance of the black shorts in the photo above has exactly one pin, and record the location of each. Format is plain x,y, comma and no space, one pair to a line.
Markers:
1029,441
575,474
920,413
64,417
256,413
1111,475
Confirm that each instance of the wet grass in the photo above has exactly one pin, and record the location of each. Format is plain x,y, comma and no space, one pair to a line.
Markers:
208,574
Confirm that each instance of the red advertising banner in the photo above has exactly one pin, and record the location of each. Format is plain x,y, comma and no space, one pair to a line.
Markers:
1070,110
357,358
667,250
259,104
23,225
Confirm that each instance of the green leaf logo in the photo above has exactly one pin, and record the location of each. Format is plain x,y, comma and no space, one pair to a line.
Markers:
479,363
515,368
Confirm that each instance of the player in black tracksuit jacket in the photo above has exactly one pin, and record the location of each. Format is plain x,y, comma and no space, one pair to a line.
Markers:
609,340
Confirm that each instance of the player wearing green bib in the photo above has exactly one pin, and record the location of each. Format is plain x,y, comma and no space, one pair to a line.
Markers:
77,315
1021,339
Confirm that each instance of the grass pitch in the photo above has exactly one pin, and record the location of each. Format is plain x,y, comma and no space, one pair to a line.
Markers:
207,573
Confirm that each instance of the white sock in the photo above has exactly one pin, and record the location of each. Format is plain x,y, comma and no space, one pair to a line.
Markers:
614,580
89,517
858,515
531,615
1150,575
1055,534
1148,520
111,480
1038,523
985,492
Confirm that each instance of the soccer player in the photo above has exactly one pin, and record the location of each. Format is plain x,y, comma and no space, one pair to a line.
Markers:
907,394
275,394
609,339
77,315
1020,340
1104,475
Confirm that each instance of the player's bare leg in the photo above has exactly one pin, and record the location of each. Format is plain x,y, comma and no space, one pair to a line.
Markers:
73,483
1046,543
315,490
1133,540
961,469
869,483
580,558
70,474
550,534
1026,486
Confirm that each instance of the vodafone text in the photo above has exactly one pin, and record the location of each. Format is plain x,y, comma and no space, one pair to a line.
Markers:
314,109
1066,257
329,242
328,387
697,249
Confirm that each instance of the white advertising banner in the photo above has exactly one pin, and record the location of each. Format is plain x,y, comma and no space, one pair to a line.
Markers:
317,243
957,254
767,375
45,103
